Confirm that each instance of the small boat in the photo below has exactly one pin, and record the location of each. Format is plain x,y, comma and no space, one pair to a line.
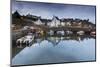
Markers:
93,33
51,32
60,32
80,32
69,32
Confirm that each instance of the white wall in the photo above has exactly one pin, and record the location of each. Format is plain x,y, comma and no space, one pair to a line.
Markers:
5,33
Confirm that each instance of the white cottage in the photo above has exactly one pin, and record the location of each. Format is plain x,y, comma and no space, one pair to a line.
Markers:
65,22
55,22
68,24
38,22
62,23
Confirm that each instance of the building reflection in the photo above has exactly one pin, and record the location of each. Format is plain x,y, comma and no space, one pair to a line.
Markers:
56,39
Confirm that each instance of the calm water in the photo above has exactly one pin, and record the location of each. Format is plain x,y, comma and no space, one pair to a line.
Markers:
56,50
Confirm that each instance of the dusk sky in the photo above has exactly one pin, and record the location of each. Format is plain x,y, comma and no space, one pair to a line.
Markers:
48,10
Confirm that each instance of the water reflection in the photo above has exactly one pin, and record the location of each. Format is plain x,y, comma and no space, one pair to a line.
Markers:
55,49
56,39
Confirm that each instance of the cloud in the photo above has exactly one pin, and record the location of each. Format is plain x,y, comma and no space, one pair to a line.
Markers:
47,10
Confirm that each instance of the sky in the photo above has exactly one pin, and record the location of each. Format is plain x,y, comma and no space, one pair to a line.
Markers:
48,10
